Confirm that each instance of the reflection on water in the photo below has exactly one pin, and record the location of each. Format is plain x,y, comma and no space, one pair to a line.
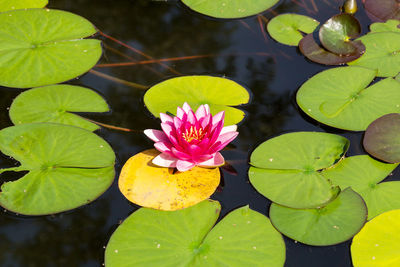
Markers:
165,30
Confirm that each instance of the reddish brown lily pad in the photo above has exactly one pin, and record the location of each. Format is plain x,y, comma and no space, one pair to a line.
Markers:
336,34
315,53
382,10
382,138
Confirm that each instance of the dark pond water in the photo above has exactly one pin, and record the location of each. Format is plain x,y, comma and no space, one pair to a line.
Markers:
165,29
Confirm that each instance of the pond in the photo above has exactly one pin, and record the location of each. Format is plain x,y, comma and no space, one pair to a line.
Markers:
191,44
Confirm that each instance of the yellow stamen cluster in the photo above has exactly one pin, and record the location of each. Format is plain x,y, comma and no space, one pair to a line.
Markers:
193,134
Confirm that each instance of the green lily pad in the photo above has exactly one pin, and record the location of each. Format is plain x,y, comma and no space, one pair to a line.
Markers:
219,93
54,103
6,5
288,28
311,50
335,223
382,10
286,169
42,46
363,174
230,9
68,167
382,138
336,34
334,97
382,53
186,238
391,25
378,243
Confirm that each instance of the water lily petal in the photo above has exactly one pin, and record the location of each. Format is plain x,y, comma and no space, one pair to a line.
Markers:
226,129
167,128
205,121
166,118
180,154
217,118
177,123
165,160
156,135
216,161
205,143
186,107
175,142
163,147
216,132
223,140
227,137
183,165
201,112
195,150
207,107
191,117
202,158
180,112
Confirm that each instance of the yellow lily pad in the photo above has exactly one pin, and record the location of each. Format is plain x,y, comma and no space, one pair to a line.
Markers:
151,186
378,242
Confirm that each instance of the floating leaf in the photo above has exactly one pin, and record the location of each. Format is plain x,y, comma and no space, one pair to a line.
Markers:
336,34
335,223
382,53
54,103
230,9
148,185
286,169
391,25
42,47
310,49
378,243
6,5
68,167
288,28
382,10
363,174
334,97
186,238
219,93
382,138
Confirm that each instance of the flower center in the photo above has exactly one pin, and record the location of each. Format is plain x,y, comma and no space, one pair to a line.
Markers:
193,134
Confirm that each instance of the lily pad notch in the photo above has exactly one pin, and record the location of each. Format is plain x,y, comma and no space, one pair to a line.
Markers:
57,104
55,51
187,238
68,167
287,169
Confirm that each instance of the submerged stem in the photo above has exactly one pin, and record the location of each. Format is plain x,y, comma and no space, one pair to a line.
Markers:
116,51
117,80
124,64
138,52
260,20
112,127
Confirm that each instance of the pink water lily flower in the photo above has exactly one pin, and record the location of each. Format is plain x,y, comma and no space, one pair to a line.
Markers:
191,139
